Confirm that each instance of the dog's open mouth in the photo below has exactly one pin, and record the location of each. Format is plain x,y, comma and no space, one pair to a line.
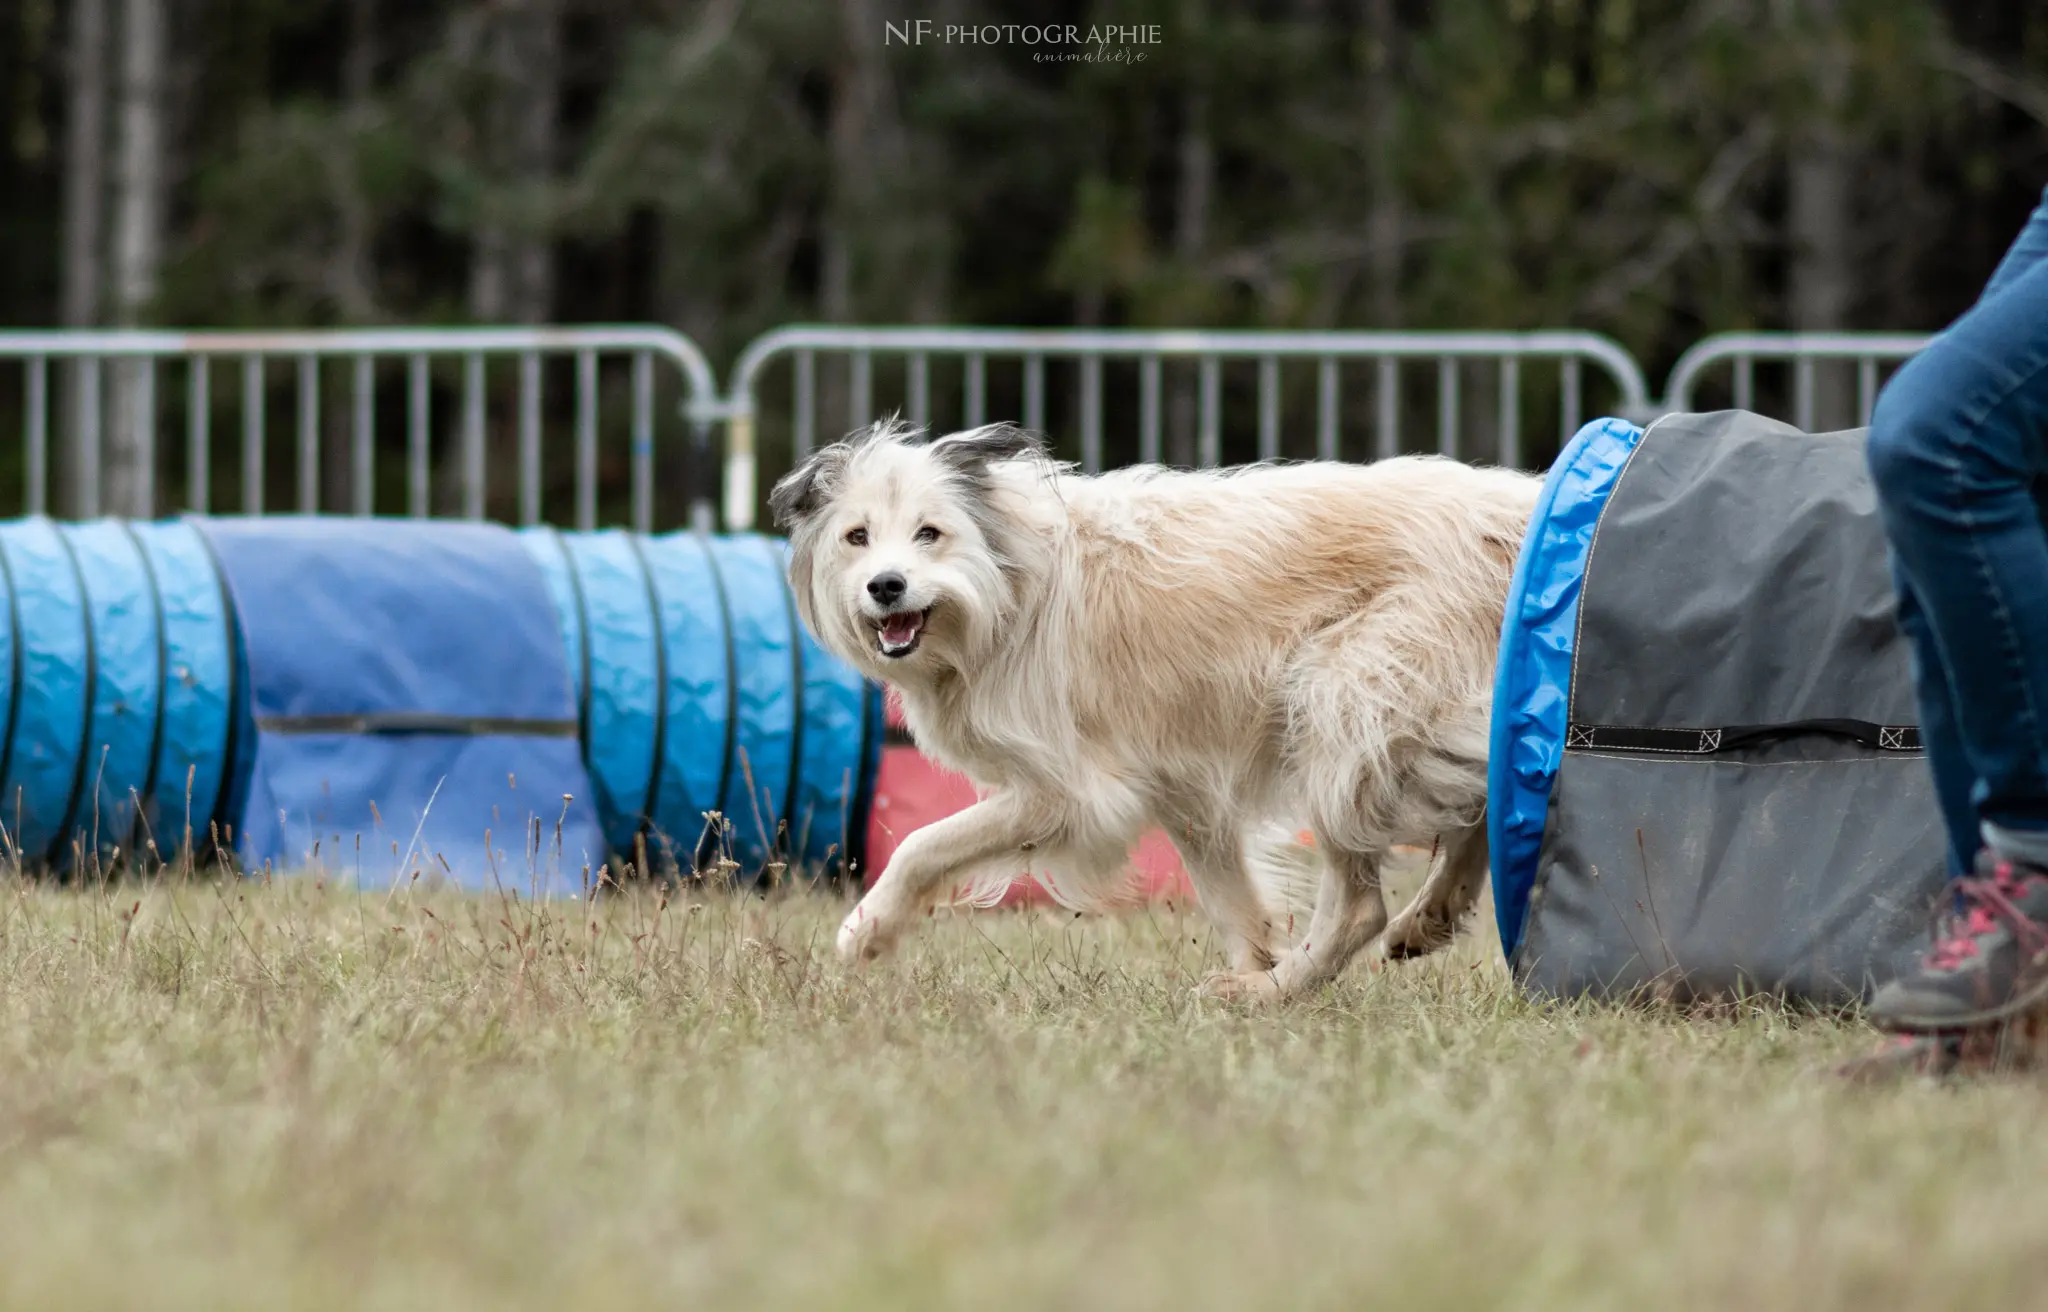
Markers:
897,635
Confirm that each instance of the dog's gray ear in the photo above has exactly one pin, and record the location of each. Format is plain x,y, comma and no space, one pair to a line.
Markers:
803,491
973,451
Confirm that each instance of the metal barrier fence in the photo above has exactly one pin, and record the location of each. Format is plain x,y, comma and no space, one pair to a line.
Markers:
646,363
130,478
1803,352
1090,349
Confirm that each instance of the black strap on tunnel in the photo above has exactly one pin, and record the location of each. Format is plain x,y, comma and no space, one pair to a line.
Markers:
163,667
1708,742
796,675
419,722
855,859
92,689
582,640
222,822
652,797
732,680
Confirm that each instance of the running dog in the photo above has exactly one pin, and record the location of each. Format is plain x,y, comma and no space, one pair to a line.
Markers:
1229,655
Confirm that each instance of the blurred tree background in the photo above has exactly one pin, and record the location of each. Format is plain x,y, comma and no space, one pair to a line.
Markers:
1654,169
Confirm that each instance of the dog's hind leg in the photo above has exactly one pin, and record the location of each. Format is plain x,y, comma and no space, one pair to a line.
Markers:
1350,912
1230,898
1431,920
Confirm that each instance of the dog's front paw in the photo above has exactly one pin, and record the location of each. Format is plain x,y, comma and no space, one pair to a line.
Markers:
1413,935
867,935
1254,986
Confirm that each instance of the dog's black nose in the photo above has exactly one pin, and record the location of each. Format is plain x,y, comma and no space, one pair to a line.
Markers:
887,587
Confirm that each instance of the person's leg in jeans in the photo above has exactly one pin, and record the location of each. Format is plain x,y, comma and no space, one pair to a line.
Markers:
2027,250
1959,452
1953,778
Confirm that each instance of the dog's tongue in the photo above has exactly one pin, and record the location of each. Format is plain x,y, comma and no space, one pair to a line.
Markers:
899,629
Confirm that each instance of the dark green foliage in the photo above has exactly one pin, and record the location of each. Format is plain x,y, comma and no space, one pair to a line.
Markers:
723,167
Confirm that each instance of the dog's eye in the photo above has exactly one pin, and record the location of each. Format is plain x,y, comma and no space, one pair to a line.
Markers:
927,534
857,537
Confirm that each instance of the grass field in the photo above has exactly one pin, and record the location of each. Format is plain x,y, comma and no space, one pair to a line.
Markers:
227,1095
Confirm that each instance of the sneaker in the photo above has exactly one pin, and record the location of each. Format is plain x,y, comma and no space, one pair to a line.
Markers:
1990,961
1986,1050
1903,1056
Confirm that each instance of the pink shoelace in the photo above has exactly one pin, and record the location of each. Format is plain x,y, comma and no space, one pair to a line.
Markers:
1990,904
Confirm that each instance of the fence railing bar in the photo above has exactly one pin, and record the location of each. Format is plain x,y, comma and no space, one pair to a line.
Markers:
36,426
418,438
1447,407
1327,402
643,442
1209,444
861,394
1138,343
1866,390
363,470
737,469
1510,435
473,436
252,435
1148,410
141,455
975,406
1387,438
89,394
309,435
1091,414
586,440
529,438
1269,408
804,423
198,434
1802,393
1034,393
1571,400
1745,348
919,385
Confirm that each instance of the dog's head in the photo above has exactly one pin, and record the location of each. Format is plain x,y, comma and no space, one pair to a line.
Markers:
903,551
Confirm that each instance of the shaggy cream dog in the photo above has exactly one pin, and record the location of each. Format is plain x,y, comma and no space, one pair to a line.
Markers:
1227,655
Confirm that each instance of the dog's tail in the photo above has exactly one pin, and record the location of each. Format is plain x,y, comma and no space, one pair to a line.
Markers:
1286,867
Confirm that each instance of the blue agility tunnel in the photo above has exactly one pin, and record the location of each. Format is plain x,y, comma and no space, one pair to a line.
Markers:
119,648
380,694
700,694
1705,773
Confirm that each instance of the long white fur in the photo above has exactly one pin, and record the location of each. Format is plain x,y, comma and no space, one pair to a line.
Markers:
1232,655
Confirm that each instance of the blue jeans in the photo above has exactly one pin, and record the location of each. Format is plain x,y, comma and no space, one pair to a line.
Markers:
1959,451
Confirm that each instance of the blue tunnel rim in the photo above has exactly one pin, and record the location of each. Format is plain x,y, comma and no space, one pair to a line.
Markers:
1523,668
54,855
582,672
732,697
220,834
163,664
650,798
